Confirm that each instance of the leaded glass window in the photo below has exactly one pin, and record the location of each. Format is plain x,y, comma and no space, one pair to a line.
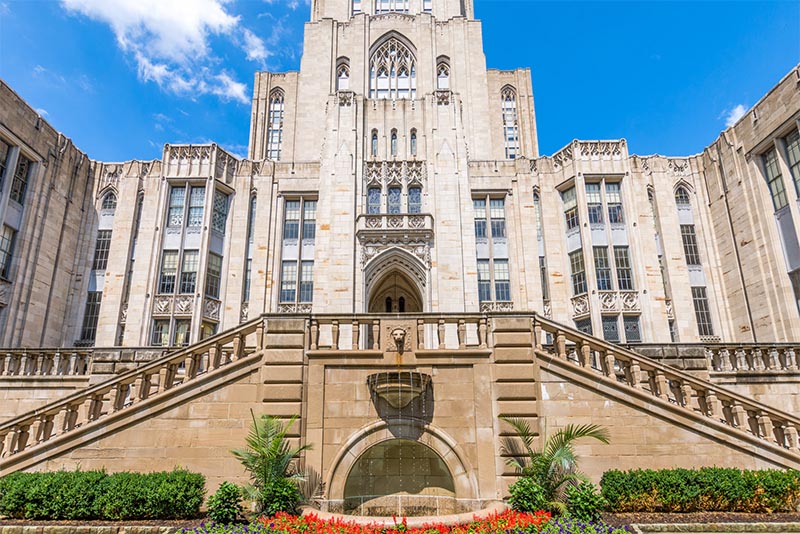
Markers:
288,281
309,220
510,127
570,208
690,250
594,203
775,180
169,271
373,200
622,263
7,239
602,269
306,281
90,316
394,200
614,202
21,176
197,198
479,207
633,333
101,248
414,200
214,275
502,282
702,311
219,215
189,271
275,124
578,272
109,201
484,281
176,199
392,70
793,157
610,328
291,220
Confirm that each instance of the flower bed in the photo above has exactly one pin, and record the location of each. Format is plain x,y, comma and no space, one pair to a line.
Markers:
509,522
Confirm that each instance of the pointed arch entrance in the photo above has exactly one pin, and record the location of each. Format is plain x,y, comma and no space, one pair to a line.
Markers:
395,283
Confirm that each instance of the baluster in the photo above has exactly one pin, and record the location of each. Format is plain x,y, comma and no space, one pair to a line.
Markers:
634,375
790,435
764,426
376,335
314,334
751,359
561,345
20,438
796,353
782,358
335,334
3,439
96,406
462,334
739,415
724,359
164,378
483,333
608,364
146,386
136,389
768,355
687,394
537,334
73,364
238,347
789,353
57,371
3,366
260,335
662,385
214,356
37,364
584,354
440,334
44,427
190,367
356,332
120,396
713,405
23,364
420,334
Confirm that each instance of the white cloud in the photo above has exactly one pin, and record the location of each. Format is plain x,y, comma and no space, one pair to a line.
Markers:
733,115
169,41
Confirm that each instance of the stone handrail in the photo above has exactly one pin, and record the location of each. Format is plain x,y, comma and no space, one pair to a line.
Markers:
670,384
754,357
363,331
45,362
128,389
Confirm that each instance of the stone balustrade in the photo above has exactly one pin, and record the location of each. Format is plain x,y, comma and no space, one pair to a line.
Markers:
45,362
89,405
416,221
754,358
669,384
421,332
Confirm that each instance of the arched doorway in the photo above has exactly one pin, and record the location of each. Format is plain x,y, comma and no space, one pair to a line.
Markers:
395,283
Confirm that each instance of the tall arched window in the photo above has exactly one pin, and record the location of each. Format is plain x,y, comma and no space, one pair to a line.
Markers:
374,143
343,77
393,73
413,142
109,201
510,130
275,124
414,199
374,200
682,197
443,75
388,6
394,143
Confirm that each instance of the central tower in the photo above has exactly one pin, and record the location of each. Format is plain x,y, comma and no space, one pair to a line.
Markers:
391,106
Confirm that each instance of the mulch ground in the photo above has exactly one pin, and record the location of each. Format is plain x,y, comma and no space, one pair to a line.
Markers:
619,520
179,523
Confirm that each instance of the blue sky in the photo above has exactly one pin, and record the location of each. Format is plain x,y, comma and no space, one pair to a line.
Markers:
123,77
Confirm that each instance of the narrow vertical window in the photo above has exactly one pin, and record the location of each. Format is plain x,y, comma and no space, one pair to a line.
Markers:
394,143
291,223
633,332
373,200
543,275
5,148
7,241
775,180
393,200
288,281
169,271
602,269
690,249
21,176
414,200
160,337
498,215
90,316
275,124
413,142
682,198
306,281
219,215
309,220
176,199
189,271
343,77
510,127
610,328
622,262
479,207
213,275
109,201
578,272
570,208
502,282
356,7
427,6
443,76
182,329
101,248
702,311
197,199
594,203
251,220
484,281
614,201
793,157
374,143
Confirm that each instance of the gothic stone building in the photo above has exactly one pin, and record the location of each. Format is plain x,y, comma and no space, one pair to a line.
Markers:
397,264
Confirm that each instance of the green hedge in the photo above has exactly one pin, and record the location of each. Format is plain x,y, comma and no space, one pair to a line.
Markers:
96,495
707,489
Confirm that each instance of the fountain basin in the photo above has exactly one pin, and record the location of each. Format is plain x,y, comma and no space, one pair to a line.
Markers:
398,388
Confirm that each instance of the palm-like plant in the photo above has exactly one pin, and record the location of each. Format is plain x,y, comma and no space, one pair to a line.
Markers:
554,466
269,458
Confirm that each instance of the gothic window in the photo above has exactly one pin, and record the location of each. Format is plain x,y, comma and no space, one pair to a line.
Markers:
443,75
374,200
682,197
197,198
614,202
414,200
622,263
160,337
275,124
393,72
394,143
309,220
249,262
182,329
219,214
702,311
343,77
101,248
7,239
413,142
291,220
690,249
393,200
213,275
21,176
793,157
510,128
388,6
494,282
374,143
90,316
169,271
176,200
109,201
189,272
774,179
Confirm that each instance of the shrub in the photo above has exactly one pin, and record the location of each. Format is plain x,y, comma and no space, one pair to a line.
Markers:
223,506
281,495
708,489
584,502
527,496
80,495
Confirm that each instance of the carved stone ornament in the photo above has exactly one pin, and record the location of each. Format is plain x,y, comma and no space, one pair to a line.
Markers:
244,312
609,301
123,313
184,304
162,305
497,306
670,310
601,148
443,97
211,308
345,98
580,305
112,172
303,307
547,311
630,300
398,337
5,292
372,246
562,157
380,173
679,167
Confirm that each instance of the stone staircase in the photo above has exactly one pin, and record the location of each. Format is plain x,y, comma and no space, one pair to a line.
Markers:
129,399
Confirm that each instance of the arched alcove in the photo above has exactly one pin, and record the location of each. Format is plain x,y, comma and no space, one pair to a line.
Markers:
395,283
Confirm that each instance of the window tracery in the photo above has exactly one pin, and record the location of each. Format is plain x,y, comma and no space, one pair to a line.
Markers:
275,124
343,77
393,73
443,76
510,128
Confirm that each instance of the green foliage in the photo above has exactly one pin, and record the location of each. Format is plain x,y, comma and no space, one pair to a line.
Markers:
527,496
573,525
707,489
223,506
555,466
584,502
81,495
270,460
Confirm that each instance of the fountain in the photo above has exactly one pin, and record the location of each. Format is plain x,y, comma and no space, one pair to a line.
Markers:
398,388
